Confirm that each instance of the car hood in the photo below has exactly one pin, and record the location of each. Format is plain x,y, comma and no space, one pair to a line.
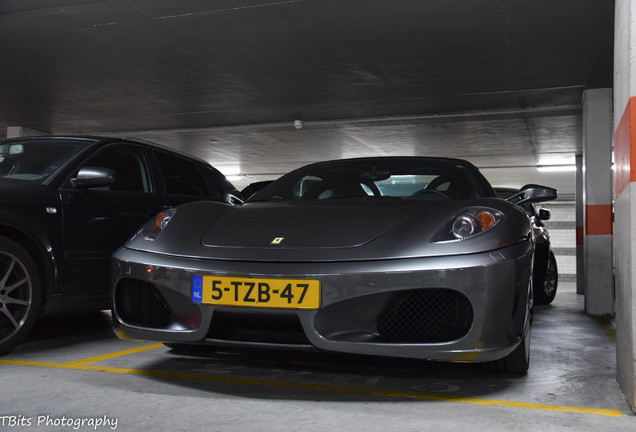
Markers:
6,183
20,192
306,226
343,230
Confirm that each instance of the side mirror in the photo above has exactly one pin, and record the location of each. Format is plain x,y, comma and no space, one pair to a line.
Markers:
533,194
233,197
375,175
544,214
89,177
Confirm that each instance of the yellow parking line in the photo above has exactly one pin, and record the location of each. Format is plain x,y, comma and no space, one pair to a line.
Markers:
319,387
115,354
608,328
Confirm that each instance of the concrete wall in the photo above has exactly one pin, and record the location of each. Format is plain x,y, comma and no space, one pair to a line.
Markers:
625,194
562,227
625,259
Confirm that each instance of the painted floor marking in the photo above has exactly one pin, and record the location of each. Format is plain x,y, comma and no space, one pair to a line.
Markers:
115,354
196,376
608,328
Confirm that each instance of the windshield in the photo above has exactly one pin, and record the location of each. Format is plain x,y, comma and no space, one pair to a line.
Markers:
404,178
36,159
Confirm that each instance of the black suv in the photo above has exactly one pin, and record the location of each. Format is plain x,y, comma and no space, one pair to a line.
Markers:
66,203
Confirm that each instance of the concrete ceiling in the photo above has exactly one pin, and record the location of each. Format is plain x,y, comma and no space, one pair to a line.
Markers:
497,82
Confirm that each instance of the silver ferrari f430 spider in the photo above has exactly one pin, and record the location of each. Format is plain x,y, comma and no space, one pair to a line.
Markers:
394,256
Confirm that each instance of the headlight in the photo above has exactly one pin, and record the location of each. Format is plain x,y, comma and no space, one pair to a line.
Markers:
153,228
464,226
469,223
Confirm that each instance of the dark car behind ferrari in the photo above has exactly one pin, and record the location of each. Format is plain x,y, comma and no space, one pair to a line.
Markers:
66,203
545,275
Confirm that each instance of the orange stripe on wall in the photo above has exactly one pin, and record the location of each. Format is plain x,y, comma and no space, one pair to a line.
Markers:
625,148
599,219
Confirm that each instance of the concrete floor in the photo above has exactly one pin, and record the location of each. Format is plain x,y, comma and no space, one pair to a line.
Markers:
74,370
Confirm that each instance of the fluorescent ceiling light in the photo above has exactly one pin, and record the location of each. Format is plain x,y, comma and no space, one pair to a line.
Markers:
231,172
556,168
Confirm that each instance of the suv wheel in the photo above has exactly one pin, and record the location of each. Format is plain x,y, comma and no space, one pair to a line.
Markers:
19,294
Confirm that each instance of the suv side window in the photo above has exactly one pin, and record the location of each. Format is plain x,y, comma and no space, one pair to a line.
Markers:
131,173
215,180
181,176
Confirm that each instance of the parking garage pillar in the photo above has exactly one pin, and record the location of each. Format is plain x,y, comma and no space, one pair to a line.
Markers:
580,252
598,273
625,195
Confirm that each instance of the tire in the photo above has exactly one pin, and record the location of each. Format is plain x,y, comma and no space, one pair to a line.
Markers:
191,348
546,288
517,362
20,294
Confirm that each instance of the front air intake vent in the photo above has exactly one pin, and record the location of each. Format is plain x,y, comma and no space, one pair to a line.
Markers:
261,327
139,303
426,316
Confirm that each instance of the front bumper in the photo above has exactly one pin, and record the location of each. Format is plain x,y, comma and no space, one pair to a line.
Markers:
480,302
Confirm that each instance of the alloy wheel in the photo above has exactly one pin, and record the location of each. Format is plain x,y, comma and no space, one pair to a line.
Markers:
550,281
16,295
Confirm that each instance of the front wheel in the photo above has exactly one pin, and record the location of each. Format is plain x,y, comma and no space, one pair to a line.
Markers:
20,294
191,349
517,362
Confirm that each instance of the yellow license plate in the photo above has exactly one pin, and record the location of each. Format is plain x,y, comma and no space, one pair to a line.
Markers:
256,292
